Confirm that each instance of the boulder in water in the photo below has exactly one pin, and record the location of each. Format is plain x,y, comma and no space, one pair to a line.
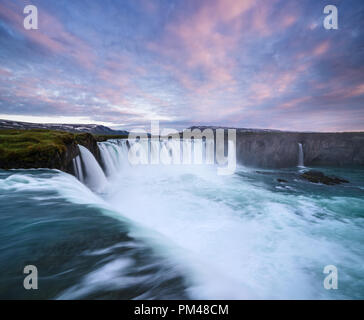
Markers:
318,177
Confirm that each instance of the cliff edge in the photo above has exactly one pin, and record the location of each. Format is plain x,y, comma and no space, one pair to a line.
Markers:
281,149
37,148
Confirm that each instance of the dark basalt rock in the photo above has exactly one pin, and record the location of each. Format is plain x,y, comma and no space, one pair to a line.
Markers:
88,141
281,180
272,150
318,177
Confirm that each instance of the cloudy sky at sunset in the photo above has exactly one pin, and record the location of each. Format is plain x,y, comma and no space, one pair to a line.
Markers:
239,63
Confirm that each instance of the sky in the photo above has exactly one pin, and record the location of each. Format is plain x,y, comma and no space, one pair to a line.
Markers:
238,63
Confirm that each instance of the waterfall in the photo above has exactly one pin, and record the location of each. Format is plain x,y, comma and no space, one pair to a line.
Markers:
154,151
77,167
165,156
197,151
94,176
116,156
119,155
108,156
300,155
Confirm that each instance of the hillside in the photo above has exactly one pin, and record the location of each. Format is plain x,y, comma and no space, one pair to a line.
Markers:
75,128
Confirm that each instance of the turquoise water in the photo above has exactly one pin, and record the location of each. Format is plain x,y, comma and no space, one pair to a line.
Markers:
169,233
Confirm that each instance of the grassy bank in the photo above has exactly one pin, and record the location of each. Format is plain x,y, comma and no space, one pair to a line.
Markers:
38,148
25,144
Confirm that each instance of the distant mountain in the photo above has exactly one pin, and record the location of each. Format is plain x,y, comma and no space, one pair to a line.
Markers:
237,129
77,128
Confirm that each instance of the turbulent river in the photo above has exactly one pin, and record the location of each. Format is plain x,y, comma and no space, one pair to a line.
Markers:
177,231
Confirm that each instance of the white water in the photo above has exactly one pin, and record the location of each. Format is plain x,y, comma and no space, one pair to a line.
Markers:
228,236
231,238
94,176
117,156
77,166
300,156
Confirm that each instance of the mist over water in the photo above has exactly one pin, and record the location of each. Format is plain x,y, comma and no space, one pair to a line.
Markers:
177,231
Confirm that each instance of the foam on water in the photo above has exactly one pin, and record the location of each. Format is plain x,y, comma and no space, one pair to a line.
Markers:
95,177
229,237
234,240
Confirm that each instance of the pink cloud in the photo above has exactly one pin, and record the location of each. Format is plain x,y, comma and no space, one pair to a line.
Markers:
273,83
51,35
198,43
265,21
294,102
321,49
261,22
210,40
288,20
4,72
357,91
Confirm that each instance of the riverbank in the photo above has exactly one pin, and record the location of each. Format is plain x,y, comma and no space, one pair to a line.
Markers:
39,148
53,149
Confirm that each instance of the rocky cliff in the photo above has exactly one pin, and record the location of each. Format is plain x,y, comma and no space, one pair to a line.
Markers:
280,149
25,149
256,148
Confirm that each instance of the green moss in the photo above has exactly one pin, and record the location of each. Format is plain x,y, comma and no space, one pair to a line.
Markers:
38,148
26,140
32,148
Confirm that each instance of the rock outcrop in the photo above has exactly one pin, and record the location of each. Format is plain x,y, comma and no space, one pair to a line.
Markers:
280,149
318,177
88,141
27,149
256,148
262,148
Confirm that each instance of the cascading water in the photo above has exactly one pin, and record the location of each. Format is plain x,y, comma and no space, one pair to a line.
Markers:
202,219
300,155
77,167
179,231
94,176
116,156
